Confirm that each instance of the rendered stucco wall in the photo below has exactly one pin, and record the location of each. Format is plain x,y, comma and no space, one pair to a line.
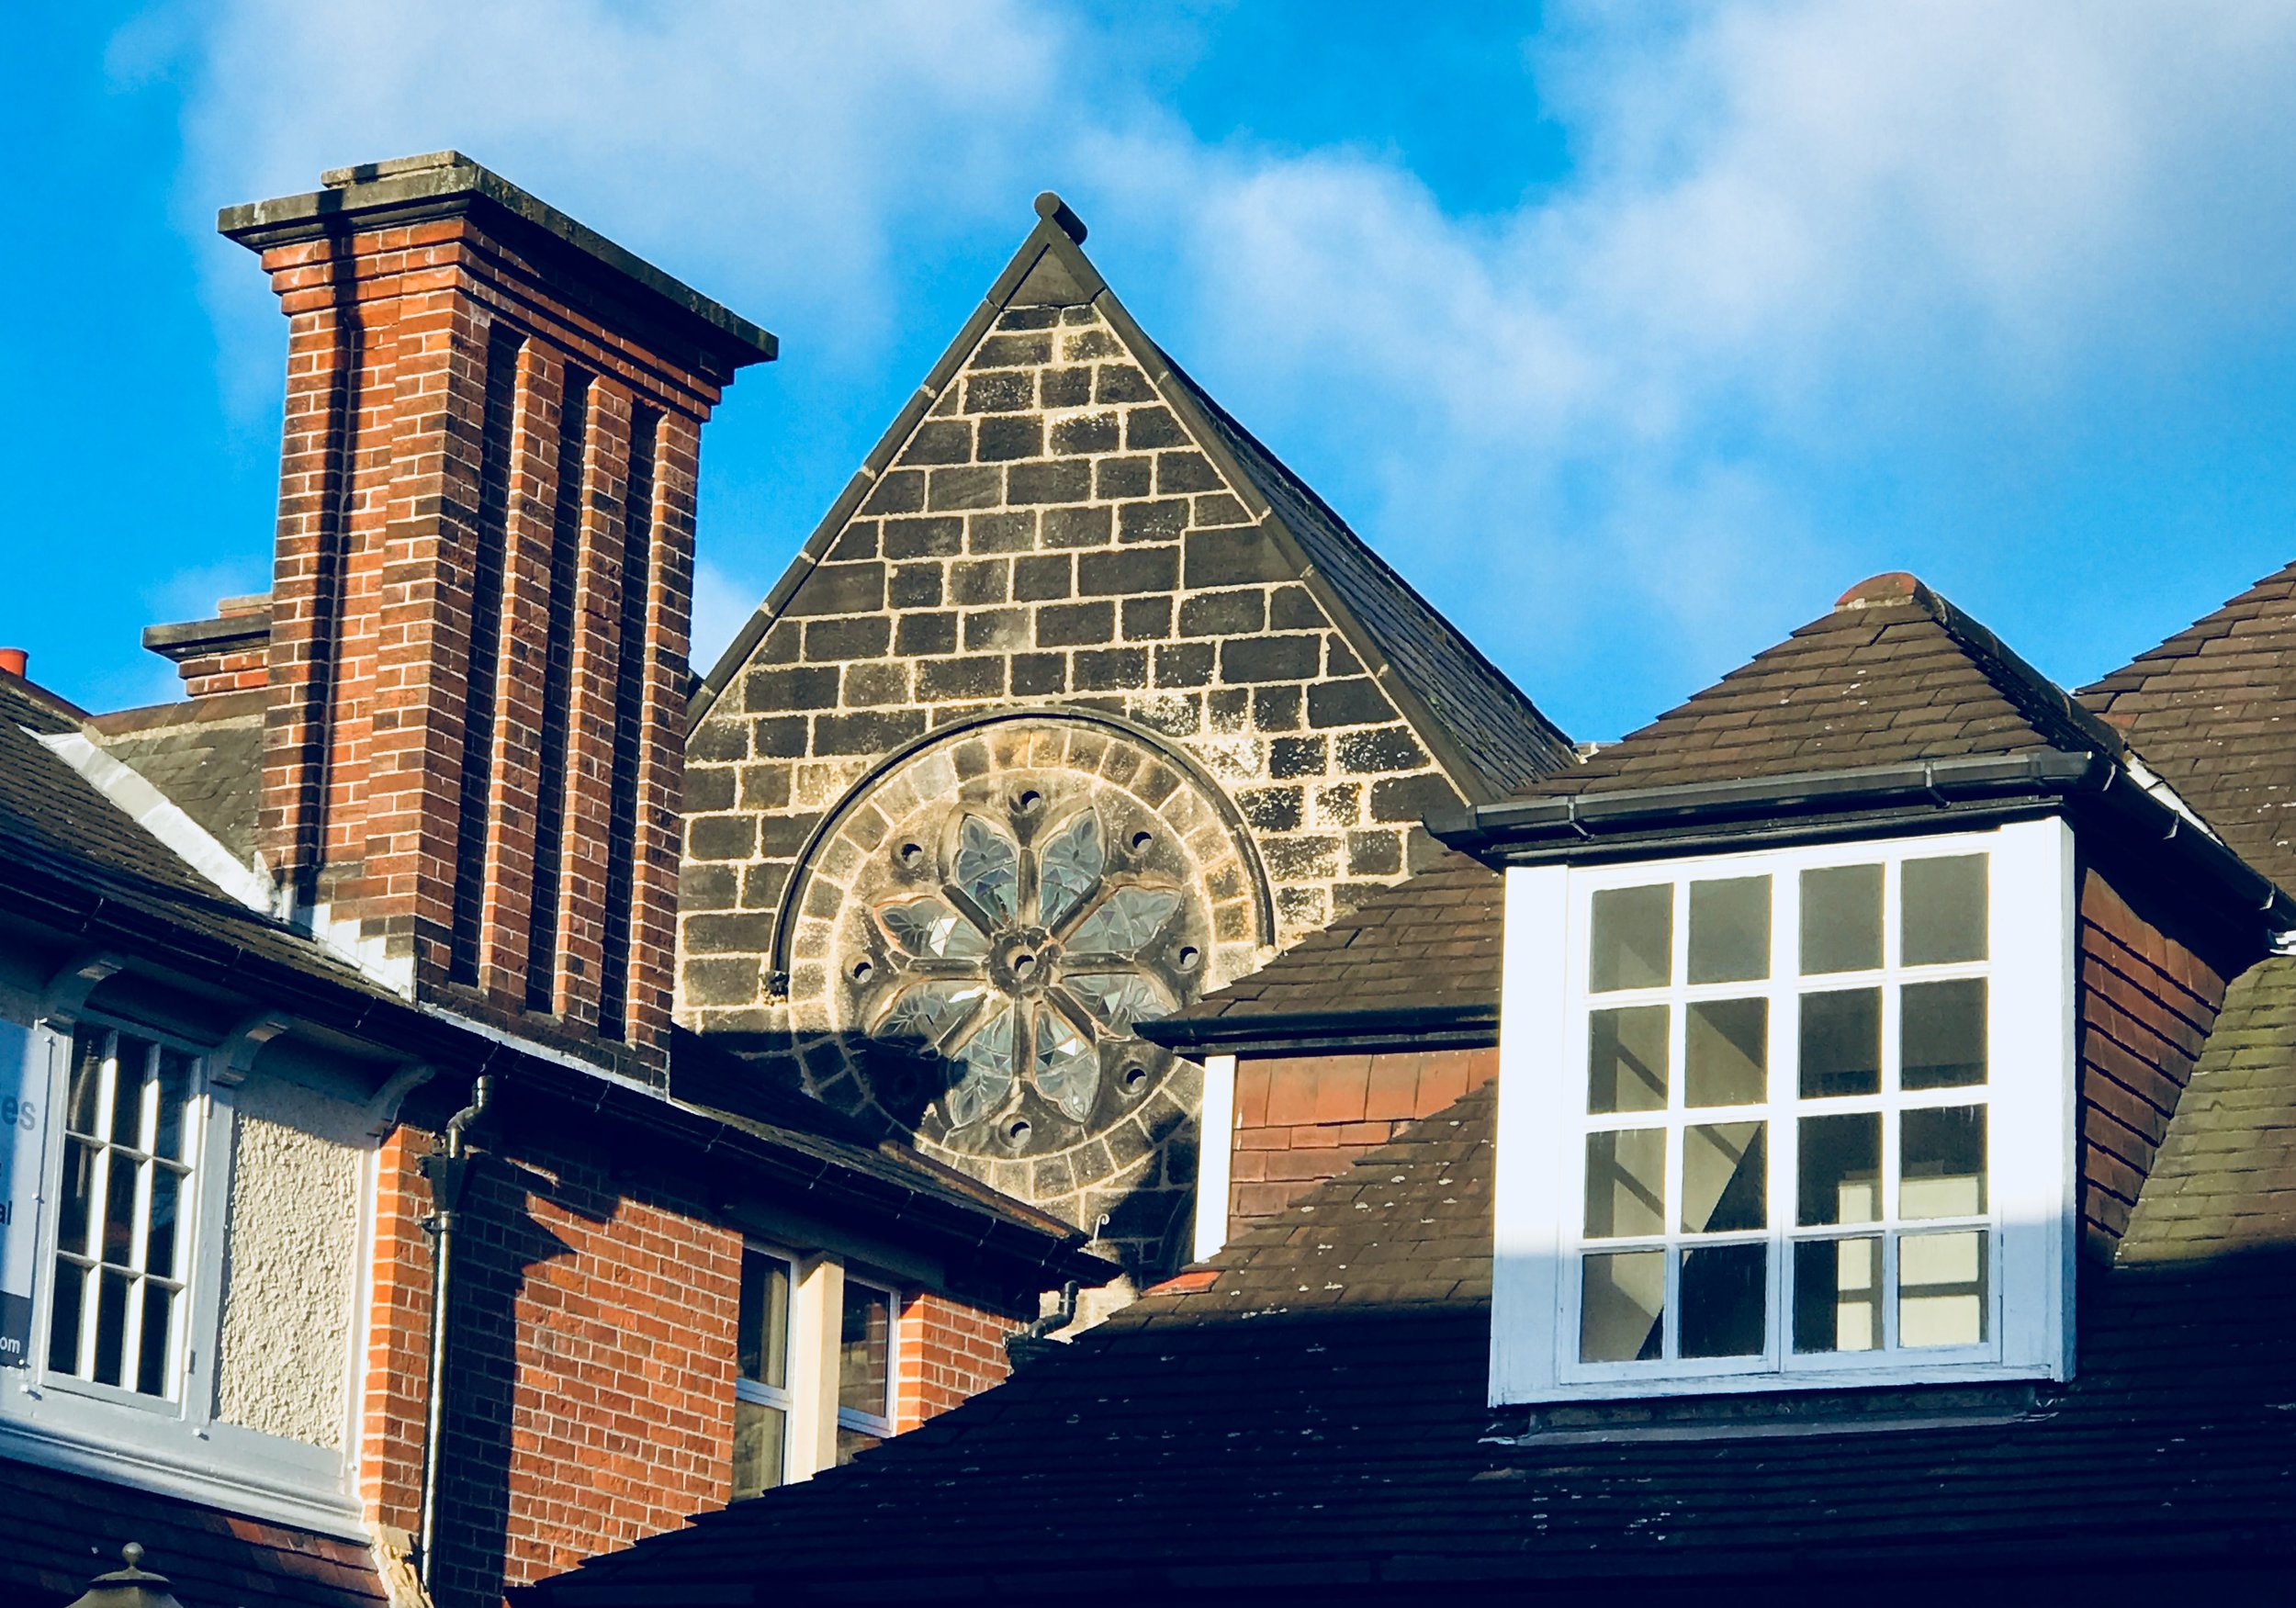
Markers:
290,1273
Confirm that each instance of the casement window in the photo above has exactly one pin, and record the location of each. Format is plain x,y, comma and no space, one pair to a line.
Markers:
864,1386
762,1399
124,1248
1786,1118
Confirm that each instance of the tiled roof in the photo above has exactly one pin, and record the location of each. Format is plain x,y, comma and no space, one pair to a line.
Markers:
1315,1415
2210,710
63,1530
206,754
1893,673
2224,1180
1429,942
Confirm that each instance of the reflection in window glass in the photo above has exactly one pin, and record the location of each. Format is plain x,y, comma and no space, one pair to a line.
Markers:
1841,1169
1842,920
1842,1044
1838,1295
1622,1307
1943,1288
1729,930
1942,1034
864,1378
1942,1162
1944,910
1724,1294
1725,1179
1627,1056
1726,1053
1625,1183
761,1399
122,1226
1634,939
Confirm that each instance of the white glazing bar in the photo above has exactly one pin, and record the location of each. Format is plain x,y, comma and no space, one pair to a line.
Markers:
1215,1156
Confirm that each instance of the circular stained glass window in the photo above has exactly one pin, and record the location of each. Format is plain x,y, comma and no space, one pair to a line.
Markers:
980,931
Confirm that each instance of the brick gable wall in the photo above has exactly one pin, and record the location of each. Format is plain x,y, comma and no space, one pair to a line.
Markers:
1302,1119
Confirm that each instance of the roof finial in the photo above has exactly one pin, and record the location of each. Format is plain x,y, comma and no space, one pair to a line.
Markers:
1894,586
1052,209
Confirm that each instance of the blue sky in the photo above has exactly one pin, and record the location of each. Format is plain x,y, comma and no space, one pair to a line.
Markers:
1632,335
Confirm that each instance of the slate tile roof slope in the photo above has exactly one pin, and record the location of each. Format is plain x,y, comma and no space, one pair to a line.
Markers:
1316,1417
1893,673
206,755
1433,939
2223,1181
2210,710
213,1559
1495,727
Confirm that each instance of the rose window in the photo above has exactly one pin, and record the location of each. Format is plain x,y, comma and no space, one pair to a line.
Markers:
1034,953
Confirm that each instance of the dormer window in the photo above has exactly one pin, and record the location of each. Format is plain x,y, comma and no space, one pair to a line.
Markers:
1786,1118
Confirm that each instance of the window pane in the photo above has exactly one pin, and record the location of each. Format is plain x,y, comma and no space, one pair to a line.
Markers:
1724,1180
764,1349
158,1245
119,1210
1729,930
1625,1059
1634,939
79,1187
758,1433
159,1305
853,1442
1838,1293
87,1079
1724,1297
1726,1053
64,1317
1942,1034
1944,910
1625,1183
124,1123
864,1376
1622,1307
170,1132
1842,918
1942,1162
1841,1169
111,1328
1842,1044
1941,1288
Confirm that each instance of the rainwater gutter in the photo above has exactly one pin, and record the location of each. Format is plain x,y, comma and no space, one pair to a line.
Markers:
448,1172
1813,805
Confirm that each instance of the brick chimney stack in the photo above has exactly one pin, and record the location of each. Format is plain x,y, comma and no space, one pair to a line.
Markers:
481,593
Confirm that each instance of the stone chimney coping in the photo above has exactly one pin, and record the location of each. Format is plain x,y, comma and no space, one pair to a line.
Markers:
411,189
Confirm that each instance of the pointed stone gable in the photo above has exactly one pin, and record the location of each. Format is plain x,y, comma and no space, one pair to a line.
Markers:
2207,710
1062,525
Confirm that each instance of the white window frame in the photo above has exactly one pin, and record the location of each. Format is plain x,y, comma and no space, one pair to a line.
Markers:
755,1391
2030,1093
202,1209
852,1418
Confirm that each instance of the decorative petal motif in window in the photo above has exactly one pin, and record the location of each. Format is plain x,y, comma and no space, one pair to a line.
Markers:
987,868
930,927
1067,1066
987,1081
1071,865
974,971
1126,922
924,1011
1119,999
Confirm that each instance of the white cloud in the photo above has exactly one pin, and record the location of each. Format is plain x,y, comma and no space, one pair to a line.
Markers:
1795,237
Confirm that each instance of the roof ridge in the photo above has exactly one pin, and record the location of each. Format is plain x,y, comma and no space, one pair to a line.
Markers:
2178,644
